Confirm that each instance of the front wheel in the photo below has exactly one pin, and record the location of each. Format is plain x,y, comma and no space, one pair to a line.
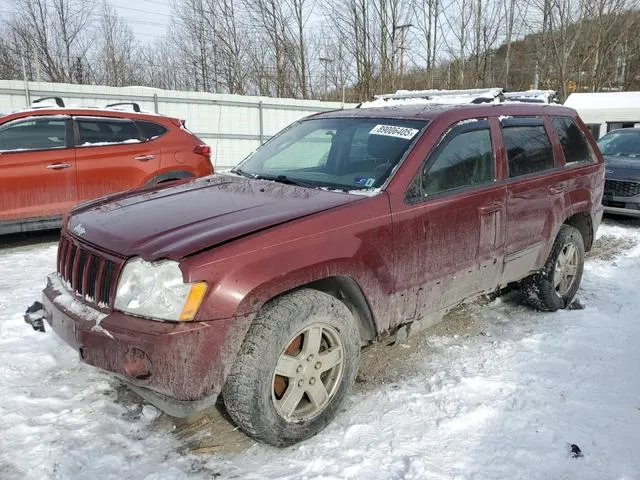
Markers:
555,286
295,368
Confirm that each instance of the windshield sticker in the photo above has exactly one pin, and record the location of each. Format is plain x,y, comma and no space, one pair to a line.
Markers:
394,131
359,181
364,182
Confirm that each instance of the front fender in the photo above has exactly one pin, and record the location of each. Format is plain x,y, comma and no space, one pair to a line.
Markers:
246,273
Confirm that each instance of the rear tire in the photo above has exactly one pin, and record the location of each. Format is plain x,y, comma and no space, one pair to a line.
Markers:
554,287
294,369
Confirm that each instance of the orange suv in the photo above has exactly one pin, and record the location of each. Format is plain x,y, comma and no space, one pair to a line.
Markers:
52,157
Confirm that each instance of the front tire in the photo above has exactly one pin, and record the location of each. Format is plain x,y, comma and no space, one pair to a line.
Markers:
556,285
294,369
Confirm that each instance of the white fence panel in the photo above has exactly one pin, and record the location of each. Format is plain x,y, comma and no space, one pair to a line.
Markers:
234,125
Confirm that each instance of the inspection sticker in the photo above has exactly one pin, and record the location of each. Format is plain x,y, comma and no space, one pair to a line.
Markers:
394,131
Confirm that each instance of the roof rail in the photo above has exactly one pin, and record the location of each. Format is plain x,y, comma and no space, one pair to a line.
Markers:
135,106
468,96
58,100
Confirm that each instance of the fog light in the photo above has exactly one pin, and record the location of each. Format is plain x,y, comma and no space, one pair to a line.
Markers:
137,364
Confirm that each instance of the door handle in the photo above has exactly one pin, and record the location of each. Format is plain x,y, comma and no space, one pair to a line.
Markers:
491,208
59,166
556,189
144,158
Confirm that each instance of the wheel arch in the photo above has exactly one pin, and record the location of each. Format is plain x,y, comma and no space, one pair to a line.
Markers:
348,291
582,222
169,176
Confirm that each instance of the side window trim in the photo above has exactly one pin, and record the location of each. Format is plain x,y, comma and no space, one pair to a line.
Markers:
76,130
476,124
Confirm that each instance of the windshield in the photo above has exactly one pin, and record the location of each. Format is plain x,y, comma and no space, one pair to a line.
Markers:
621,143
341,153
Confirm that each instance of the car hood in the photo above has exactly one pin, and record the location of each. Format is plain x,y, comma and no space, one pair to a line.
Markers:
181,219
622,168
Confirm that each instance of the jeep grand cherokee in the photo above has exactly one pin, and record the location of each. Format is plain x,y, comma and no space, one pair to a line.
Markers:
261,285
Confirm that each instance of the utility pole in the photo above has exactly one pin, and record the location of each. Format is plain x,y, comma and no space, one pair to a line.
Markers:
403,38
27,94
402,29
326,61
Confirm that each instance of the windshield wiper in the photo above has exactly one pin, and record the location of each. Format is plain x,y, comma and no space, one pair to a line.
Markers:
286,180
299,183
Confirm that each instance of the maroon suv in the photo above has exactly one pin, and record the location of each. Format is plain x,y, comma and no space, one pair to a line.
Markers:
260,285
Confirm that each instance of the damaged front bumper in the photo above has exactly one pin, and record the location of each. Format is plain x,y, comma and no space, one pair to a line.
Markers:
178,367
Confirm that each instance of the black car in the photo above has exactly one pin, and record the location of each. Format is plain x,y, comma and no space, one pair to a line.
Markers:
621,150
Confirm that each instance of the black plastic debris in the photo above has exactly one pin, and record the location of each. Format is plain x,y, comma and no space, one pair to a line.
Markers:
575,451
34,316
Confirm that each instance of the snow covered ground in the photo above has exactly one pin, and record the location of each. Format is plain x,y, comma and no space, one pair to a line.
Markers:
498,392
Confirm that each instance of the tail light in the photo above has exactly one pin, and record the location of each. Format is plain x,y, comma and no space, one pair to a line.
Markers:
204,150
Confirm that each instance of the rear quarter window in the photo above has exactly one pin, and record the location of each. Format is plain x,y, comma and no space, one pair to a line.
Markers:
528,147
151,130
575,147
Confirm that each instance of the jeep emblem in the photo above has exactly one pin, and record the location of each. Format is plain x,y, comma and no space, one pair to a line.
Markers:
79,230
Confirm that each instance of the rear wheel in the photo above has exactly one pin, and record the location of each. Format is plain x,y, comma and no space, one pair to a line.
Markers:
555,286
295,368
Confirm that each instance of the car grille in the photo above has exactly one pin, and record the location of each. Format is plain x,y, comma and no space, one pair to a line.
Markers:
620,188
86,272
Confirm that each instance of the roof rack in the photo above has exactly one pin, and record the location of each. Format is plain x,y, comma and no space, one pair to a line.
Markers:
58,100
135,106
468,96
471,92
533,96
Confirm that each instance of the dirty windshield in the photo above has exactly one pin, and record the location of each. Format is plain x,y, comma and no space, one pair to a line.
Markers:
341,153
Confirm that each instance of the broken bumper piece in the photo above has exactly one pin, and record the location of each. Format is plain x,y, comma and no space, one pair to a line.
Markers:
34,316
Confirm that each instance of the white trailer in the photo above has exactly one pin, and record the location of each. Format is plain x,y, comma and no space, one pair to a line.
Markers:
606,111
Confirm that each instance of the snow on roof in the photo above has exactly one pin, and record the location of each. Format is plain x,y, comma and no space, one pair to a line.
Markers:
603,100
443,97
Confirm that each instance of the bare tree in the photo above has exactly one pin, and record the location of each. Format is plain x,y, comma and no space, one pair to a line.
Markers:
55,34
426,17
115,60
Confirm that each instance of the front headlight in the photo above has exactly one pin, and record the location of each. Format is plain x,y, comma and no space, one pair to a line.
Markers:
155,290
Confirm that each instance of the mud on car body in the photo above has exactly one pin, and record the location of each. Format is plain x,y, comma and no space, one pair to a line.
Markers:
259,286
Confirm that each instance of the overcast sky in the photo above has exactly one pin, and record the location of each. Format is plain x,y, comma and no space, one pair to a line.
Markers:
148,18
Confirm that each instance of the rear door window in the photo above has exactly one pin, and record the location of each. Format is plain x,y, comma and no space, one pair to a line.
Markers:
103,131
33,134
575,147
151,130
528,146
464,158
